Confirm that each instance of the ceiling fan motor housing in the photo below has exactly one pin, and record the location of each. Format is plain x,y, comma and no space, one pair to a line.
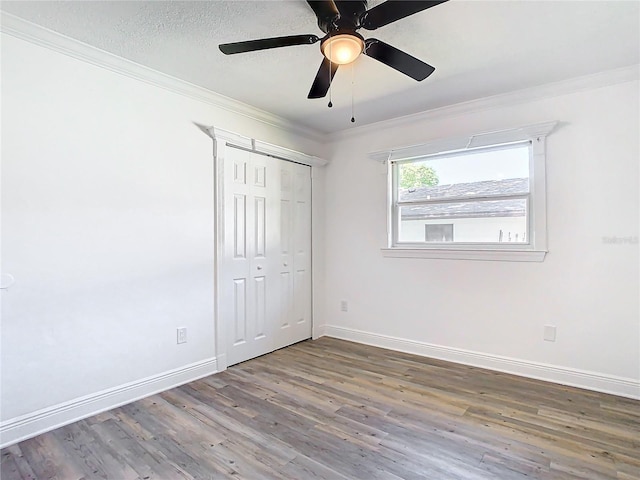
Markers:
348,18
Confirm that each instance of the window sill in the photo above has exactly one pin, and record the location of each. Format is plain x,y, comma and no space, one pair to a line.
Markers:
467,254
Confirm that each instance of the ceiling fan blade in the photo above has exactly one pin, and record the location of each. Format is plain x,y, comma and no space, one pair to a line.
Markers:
393,10
323,8
397,59
265,43
323,79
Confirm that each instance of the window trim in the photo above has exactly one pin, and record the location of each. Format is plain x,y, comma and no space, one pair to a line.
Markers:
533,251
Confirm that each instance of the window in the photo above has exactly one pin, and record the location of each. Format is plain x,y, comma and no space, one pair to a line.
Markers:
483,193
479,197
438,232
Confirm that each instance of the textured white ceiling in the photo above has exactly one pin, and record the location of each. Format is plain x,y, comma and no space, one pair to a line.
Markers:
479,48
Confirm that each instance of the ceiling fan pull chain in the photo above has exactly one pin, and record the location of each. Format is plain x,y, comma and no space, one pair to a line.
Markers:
330,104
353,68
330,68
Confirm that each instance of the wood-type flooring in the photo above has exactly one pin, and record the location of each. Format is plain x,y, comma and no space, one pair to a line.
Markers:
331,409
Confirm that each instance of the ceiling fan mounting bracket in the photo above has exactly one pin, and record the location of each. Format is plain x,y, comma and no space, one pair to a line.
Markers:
346,19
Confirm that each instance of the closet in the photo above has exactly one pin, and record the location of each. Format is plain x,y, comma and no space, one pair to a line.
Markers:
264,256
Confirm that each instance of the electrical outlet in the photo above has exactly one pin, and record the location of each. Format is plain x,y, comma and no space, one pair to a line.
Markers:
182,335
344,306
550,333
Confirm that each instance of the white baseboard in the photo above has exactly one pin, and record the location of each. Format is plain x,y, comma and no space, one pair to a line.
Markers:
318,331
26,426
624,387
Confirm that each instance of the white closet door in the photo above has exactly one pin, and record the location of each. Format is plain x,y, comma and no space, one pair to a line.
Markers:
249,266
294,323
302,253
265,269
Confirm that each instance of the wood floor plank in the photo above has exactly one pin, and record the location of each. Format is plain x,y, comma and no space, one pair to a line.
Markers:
90,455
335,410
47,459
21,464
183,456
9,468
120,442
303,467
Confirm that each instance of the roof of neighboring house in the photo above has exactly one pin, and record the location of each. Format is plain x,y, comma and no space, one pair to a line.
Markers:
489,208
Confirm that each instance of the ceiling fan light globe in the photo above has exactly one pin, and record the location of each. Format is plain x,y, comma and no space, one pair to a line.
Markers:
342,49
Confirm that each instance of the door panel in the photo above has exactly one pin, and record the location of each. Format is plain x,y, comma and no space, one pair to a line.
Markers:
240,310
239,225
300,299
260,213
286,333
240,170
265,273
302,252
260,310
285,227
284,315
260,176
295,246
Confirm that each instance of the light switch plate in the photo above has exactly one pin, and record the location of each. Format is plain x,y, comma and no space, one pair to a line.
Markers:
550,333
182,335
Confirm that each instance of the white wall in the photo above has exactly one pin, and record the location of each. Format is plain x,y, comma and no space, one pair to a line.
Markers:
107,226
474,310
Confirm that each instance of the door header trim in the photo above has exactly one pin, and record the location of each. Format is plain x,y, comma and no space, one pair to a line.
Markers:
264,148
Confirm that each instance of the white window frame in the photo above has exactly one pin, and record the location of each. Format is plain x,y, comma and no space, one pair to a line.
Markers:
536,247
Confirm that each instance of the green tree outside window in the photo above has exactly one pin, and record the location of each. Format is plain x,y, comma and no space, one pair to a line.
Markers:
414,175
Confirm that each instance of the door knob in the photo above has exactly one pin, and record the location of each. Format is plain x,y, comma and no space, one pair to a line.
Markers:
286,264
259,267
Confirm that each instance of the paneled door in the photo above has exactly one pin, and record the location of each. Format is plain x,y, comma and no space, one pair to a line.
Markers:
294,319
265,269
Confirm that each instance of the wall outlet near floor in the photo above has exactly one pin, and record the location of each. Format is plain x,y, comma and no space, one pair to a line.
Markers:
550,333
182,335
344,306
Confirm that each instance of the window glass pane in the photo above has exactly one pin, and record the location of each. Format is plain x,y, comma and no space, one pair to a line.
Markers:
479,174
487,221
438,232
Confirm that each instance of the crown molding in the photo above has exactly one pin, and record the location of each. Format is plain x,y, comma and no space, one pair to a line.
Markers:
38,35
549,90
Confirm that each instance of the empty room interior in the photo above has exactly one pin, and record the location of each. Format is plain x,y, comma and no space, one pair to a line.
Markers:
320,240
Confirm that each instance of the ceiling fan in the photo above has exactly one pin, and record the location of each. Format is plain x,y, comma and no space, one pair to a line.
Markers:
342,44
